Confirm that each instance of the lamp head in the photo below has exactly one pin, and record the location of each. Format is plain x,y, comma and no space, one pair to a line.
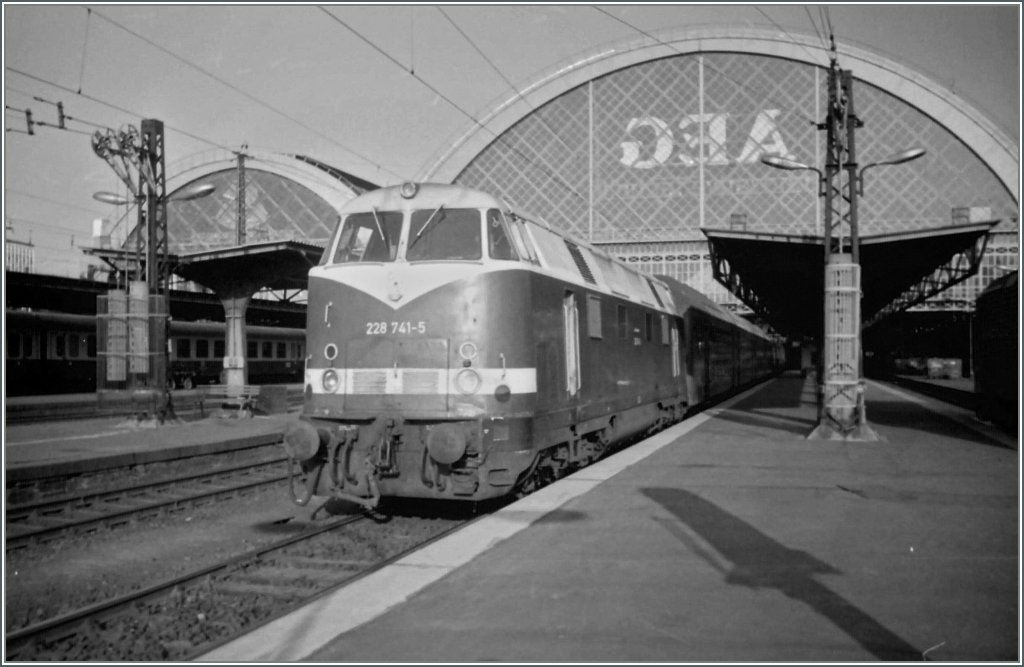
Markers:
111,198
784,163
194,192
903,156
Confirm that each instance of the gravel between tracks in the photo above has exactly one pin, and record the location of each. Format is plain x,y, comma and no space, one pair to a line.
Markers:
48,580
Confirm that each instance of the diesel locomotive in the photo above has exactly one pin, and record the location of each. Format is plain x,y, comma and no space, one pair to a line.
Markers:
457,349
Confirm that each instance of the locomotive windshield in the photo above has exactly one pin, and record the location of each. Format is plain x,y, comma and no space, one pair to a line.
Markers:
369,237
444,233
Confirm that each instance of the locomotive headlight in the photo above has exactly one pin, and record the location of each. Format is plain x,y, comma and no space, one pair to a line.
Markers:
467,381
330,381
408,190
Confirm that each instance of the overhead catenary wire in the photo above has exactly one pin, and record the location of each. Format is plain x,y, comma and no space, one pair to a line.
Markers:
243,93
664,43
504,78
111,105
547,170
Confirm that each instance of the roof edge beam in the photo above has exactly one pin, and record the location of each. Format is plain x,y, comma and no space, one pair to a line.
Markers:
957,269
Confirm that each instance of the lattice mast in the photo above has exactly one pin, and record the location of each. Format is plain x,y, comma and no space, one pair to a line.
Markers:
841,405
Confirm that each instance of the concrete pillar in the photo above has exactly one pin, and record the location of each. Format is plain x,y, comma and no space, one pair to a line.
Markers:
236,371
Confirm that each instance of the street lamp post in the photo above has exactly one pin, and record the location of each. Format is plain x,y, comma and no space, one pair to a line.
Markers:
830,418
155,283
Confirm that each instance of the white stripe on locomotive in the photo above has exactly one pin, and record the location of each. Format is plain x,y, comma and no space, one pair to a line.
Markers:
421,381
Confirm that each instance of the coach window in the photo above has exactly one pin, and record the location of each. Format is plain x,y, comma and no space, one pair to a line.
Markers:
282,351
499,241
622,322
369,237
648,327
594,317
202,348
268,350
73,346
184,348
441,233
92,346
664,330
251,349
58,346
13,346
218,348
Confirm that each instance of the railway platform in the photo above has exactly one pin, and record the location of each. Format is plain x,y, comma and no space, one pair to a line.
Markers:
728,537
65,448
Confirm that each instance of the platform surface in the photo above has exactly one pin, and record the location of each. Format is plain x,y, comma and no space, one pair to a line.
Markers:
730,537
49,449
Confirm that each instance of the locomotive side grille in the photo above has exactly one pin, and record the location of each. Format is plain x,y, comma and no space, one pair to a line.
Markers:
421,381
369,381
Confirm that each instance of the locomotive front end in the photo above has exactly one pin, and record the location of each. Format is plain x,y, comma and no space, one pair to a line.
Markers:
419,378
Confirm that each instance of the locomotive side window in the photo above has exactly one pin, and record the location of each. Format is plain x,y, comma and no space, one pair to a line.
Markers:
499,241
522,240
594,317
184,348
369,237
442,233
202,348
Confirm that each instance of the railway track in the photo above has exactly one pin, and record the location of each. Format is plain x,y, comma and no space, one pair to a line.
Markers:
35,523
182,618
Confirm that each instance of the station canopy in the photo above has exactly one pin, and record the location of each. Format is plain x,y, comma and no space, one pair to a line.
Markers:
782,279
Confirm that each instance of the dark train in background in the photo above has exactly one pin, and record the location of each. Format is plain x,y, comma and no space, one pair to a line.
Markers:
458,350
996,341
55,353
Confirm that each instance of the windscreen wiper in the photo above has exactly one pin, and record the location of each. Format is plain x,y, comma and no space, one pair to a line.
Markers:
425,225
380,230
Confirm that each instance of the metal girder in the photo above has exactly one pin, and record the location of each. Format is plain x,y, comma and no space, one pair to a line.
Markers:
732,281
959,268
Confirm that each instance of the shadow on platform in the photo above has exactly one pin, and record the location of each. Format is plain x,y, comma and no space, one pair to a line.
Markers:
747,557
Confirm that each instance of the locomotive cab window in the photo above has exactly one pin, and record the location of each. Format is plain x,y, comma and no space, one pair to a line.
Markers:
369,237
444,234
499,239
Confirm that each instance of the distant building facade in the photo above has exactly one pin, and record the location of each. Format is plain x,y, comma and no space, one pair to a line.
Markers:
19,256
